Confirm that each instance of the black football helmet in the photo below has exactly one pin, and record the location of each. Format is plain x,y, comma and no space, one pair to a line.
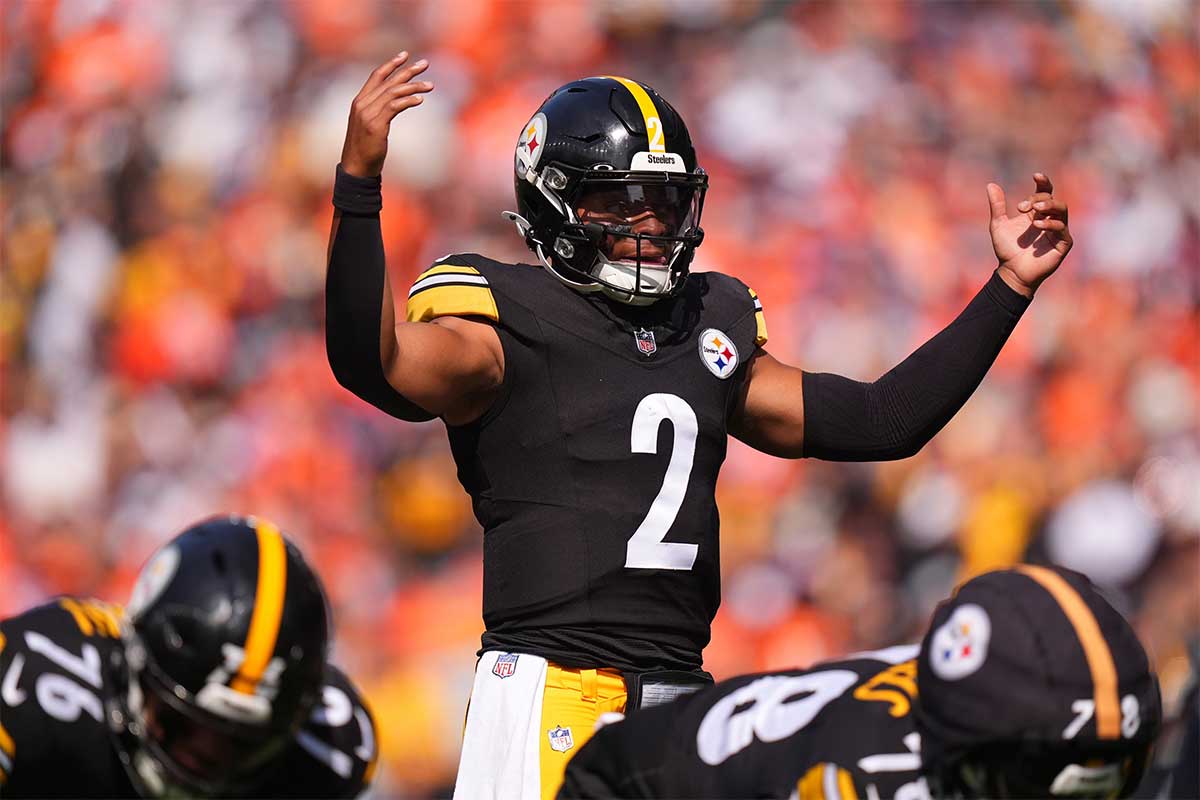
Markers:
617,148
1031,685
225,639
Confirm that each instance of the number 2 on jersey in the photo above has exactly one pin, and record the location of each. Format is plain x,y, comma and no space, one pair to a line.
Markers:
646,548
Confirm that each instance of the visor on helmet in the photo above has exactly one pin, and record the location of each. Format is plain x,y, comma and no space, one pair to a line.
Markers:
630,233
672,207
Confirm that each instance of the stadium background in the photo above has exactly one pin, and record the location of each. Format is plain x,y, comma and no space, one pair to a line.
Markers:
167,172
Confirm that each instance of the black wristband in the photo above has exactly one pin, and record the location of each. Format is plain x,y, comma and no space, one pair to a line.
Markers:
355,195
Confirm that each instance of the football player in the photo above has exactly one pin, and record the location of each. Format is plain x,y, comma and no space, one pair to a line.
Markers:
213,682
588,400
1027,684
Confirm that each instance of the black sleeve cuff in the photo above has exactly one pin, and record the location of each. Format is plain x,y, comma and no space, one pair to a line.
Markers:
354,195
1005,296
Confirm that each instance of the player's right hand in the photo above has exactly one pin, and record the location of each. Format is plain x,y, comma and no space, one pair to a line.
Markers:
388,91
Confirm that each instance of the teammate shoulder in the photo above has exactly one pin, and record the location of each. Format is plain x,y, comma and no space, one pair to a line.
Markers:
336,748
54,679
66,617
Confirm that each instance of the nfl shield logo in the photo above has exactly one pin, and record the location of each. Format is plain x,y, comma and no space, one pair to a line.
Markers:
506,664
560,739
645,342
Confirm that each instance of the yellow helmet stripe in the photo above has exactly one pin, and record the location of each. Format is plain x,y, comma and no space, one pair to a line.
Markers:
654,131
268,608
1095,648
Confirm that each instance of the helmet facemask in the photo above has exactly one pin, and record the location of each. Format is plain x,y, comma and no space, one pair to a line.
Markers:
1038,769
176,748
631,235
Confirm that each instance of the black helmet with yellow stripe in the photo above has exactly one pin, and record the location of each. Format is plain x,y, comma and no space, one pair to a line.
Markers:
225,647
616,148
1030,684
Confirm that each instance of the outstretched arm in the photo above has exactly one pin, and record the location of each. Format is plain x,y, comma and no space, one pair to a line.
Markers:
787,412
414,371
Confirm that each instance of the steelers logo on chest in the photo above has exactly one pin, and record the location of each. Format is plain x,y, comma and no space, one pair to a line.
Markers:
718,353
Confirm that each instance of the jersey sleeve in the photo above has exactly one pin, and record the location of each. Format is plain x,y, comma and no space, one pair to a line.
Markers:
451,288
336,750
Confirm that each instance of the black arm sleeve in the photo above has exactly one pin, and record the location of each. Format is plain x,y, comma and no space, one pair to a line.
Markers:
354,298
894,417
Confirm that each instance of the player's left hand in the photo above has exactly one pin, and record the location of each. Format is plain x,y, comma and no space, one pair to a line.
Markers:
1031,244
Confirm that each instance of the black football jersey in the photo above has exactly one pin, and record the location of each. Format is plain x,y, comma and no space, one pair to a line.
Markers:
594,473
55,681
843,729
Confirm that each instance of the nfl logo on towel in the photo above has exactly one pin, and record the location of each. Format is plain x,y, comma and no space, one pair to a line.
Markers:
506,664
560,739
645,342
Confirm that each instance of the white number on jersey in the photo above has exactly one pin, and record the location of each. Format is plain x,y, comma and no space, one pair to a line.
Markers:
780,706
646,548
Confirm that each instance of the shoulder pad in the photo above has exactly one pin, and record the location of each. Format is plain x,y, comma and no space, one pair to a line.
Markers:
451,288
67,641
94,617
742,297
69,617
760,336
341,736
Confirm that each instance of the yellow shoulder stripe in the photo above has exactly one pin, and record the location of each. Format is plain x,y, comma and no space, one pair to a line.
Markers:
8,752
94,617
444,269
826,781
760,335
452,300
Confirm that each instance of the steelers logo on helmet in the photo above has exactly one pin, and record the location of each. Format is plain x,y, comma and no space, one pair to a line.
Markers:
718,352
531,144
959,647
154,578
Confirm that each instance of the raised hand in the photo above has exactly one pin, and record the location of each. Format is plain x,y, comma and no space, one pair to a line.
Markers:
1033,243
388,91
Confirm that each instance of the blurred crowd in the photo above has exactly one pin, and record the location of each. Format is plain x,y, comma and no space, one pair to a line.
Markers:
167,169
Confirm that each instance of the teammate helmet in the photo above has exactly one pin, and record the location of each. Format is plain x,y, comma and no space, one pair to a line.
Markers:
616,148
1031,685
225,648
